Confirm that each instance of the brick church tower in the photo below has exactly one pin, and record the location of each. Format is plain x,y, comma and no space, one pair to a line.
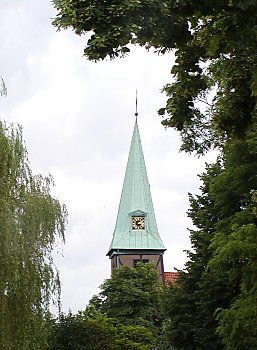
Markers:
136,237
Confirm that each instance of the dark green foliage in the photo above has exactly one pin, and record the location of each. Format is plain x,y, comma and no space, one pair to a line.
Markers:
235,244
215,43
238,324
3,88
77,332
93,331
217,291
133,338
30,223
132,296
191,303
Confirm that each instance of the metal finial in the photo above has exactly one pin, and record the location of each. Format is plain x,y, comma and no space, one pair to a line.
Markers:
136,114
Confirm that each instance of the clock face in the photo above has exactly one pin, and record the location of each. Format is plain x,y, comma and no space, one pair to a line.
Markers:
138,223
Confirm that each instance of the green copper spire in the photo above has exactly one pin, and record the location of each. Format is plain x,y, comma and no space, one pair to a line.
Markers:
136,201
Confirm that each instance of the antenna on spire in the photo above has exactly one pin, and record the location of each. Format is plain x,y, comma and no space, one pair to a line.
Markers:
136,114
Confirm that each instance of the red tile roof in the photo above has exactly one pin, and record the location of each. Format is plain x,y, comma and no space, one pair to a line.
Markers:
170,277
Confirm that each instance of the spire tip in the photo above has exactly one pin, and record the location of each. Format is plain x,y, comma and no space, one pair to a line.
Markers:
136,114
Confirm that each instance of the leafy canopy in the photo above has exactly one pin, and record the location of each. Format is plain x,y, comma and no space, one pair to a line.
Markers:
31,221
92,330
214,94
213,306
132,296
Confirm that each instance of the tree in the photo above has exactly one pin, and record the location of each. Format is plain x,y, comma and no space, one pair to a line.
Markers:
133,296
134,338
92,330
31,221
215,47
216,292
235,247
192,301
74,332
3,88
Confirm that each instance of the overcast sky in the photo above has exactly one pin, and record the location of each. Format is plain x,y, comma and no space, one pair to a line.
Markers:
77,119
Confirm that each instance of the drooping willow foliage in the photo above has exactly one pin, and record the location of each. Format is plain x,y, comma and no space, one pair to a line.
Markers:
3,88
32,222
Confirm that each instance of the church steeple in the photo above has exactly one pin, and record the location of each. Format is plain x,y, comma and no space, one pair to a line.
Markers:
136,235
